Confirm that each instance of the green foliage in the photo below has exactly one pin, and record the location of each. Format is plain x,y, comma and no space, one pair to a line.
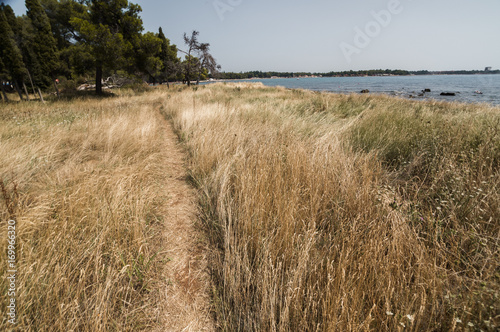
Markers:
373,72
81,59
198,61
32,61
169,59
351,73
189,66
60,14
106,47
11,64
11,18
147,55
3,69
110,29
66,39
44,45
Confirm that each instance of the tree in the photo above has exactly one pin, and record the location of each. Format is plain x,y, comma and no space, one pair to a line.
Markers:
11,18
60,13
169,59
43,44
78,37
110,28
193,45
12,65
105,47
16,26
3,75
25,39
205,61
148,55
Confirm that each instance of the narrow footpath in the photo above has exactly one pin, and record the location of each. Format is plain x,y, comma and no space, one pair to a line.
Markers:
185,300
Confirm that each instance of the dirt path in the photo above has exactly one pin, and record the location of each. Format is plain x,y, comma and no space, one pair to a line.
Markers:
185,302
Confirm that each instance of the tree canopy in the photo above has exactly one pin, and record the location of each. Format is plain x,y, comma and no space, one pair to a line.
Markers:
43,42
11,61
77,39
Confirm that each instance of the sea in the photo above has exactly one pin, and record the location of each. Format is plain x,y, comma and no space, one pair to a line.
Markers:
467,88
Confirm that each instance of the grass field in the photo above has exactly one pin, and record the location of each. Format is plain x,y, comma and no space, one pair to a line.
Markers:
324,212
84,179
345,212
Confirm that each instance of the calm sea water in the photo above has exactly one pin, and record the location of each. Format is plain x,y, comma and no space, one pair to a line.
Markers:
465,86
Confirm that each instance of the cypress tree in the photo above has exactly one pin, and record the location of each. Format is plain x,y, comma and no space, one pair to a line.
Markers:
44,44
11,18
12,65
3,74
168,56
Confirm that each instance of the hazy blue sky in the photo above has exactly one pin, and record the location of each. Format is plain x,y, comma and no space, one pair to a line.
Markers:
325,35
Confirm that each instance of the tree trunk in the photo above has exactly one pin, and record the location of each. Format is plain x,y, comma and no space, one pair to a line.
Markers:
32,86
5,98
56,88
16,86
26,91
40,94
188,71
98,79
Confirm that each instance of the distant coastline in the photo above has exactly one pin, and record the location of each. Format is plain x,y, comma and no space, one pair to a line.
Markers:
350,73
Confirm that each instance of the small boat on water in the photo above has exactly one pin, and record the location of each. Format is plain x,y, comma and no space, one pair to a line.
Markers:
478,92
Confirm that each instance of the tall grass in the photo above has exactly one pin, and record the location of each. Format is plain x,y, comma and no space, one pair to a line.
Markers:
324,212
86,177
345,213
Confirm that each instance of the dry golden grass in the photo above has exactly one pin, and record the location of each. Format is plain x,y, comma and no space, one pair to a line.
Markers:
323,212
89,182
345,213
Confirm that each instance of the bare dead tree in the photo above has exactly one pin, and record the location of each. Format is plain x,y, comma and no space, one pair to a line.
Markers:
203,60
193,46
207,61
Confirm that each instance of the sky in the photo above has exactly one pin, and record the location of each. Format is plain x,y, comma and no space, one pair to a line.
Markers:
333,35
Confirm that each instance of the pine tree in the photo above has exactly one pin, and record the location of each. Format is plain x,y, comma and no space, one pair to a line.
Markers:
110,28
11,18
12,66
25,41
43,44
3,75
147,55
60,13
168,57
